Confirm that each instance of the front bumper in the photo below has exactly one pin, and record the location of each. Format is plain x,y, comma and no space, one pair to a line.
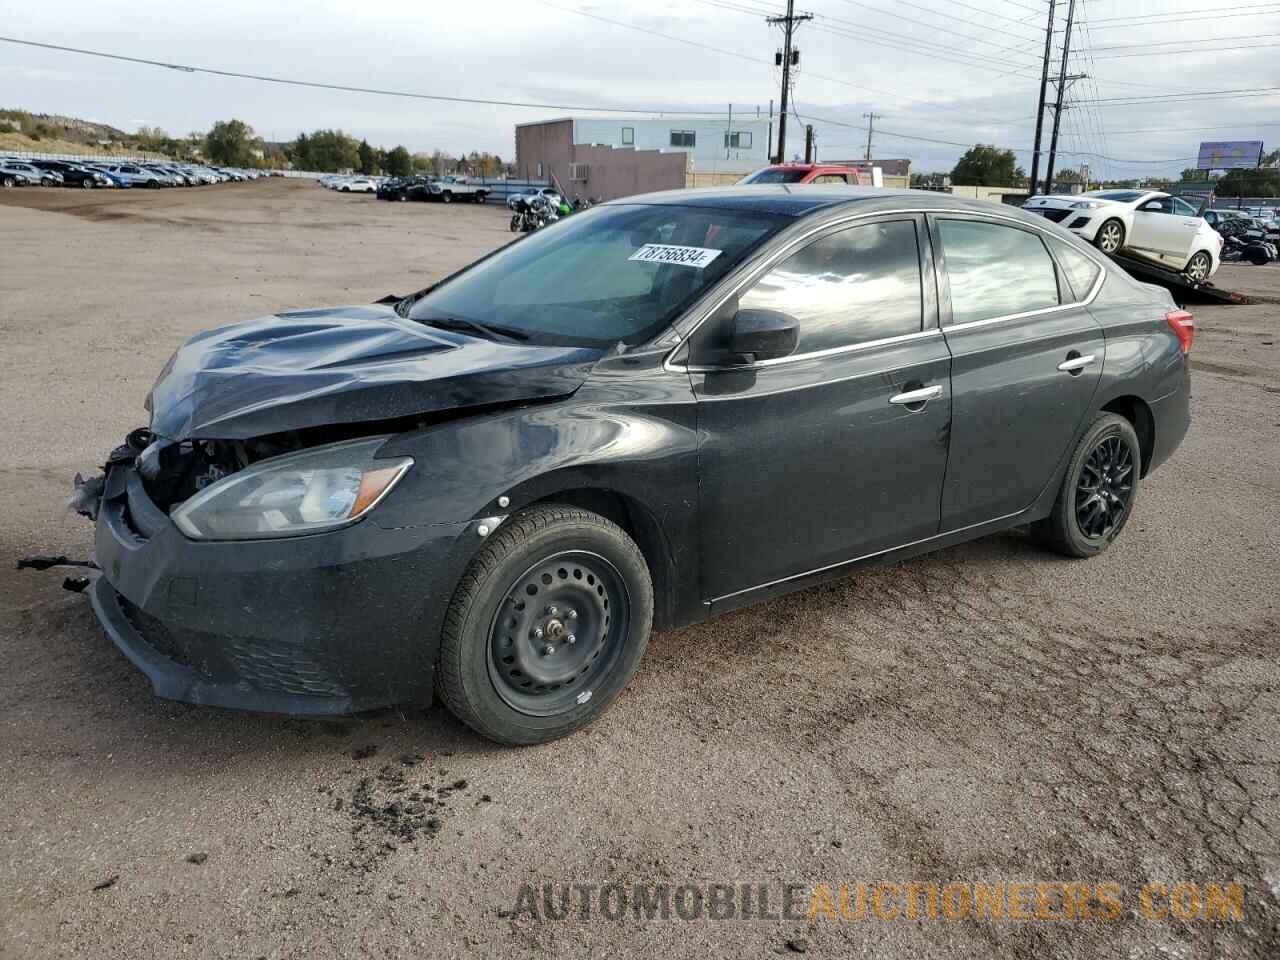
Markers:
330,623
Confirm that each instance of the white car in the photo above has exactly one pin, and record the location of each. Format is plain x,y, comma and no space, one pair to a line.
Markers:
359,185
1147,223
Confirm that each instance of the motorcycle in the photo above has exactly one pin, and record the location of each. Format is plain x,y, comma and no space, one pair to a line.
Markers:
532,214
1241,241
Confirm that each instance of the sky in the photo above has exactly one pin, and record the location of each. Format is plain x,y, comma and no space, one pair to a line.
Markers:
954,71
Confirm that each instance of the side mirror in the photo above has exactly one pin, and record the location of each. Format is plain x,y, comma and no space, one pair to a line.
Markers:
756,335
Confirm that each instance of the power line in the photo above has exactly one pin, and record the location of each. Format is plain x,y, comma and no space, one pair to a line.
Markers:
345,88
1165,53
1231,9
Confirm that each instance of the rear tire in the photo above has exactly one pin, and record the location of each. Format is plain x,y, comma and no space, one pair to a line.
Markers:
86,183
7,182
446,197
1110,237
1199,266
507,666
1098,490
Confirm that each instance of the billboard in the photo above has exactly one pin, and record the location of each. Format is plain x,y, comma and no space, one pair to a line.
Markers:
1229,155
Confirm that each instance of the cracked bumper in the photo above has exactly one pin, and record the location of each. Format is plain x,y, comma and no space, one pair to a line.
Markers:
331,623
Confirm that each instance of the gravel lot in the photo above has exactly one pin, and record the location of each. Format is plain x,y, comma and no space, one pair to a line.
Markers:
986,714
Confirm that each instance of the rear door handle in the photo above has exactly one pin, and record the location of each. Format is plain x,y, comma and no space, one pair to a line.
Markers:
1072,364
923,395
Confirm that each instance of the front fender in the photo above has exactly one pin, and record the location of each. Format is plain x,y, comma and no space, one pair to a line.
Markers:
627,434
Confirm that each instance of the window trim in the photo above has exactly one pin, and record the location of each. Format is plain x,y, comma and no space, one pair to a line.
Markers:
683,328
628,141
693,139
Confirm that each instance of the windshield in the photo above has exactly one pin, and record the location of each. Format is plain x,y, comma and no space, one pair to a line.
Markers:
613,273
775,175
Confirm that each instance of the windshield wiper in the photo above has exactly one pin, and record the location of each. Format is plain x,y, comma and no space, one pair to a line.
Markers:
504,334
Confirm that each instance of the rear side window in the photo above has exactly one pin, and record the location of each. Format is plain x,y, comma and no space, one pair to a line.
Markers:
1082,273
995,271
850,287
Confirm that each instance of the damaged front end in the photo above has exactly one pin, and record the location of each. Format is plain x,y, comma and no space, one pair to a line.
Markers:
234,570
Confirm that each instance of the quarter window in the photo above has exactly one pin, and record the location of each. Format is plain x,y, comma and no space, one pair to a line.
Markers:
995,271
850,287
1082,272
831,178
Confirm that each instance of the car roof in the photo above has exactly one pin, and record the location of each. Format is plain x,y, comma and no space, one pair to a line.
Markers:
800,200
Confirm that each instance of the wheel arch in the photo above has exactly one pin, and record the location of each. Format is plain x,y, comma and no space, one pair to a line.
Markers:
1135,410
642,526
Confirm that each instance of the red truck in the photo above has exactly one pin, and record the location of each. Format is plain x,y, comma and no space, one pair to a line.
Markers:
804,173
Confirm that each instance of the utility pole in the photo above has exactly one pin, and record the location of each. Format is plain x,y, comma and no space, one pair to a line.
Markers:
1044,89
1062,89
808,143
789,22
871,119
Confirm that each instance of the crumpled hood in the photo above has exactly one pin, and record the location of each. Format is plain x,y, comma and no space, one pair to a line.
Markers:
312,368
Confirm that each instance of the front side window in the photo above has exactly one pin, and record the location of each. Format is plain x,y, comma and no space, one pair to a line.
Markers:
854,286
1182,208
682,138
1082,272
621,272
995,271
1158,205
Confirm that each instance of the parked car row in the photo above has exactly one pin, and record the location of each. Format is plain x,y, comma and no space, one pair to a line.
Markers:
91,174
445,189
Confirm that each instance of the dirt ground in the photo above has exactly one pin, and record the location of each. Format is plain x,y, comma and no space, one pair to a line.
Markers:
987,714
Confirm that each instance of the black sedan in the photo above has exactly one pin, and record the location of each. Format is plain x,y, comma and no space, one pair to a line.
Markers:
73,175
647,414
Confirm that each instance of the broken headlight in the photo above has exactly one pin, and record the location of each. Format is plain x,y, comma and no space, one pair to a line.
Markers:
308,492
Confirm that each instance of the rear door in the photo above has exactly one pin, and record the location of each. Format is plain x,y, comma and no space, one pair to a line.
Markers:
1026,359
814,459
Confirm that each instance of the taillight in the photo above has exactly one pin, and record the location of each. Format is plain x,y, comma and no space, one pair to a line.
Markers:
1184,325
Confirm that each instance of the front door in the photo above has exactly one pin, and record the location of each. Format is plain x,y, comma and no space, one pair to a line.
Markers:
1164,228
1026,359
837,451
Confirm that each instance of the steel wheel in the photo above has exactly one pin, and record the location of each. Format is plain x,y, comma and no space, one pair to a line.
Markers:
1110,236
1198,267
557,632
1104,489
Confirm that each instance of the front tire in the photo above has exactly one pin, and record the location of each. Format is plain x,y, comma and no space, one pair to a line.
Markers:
515,223
7,182
547,626
86,183
1098,491
1110,237
446,197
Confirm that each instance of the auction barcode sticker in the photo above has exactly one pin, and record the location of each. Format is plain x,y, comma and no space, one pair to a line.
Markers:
681,256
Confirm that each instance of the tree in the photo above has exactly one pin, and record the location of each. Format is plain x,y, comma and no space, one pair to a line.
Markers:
1261,182
368,163
1191,175
399,163
232,142
985,166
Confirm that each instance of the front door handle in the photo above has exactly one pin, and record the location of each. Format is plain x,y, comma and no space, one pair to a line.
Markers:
1074,364
922,395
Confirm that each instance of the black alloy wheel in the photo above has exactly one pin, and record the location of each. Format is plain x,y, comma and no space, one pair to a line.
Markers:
1105,488
1098,490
